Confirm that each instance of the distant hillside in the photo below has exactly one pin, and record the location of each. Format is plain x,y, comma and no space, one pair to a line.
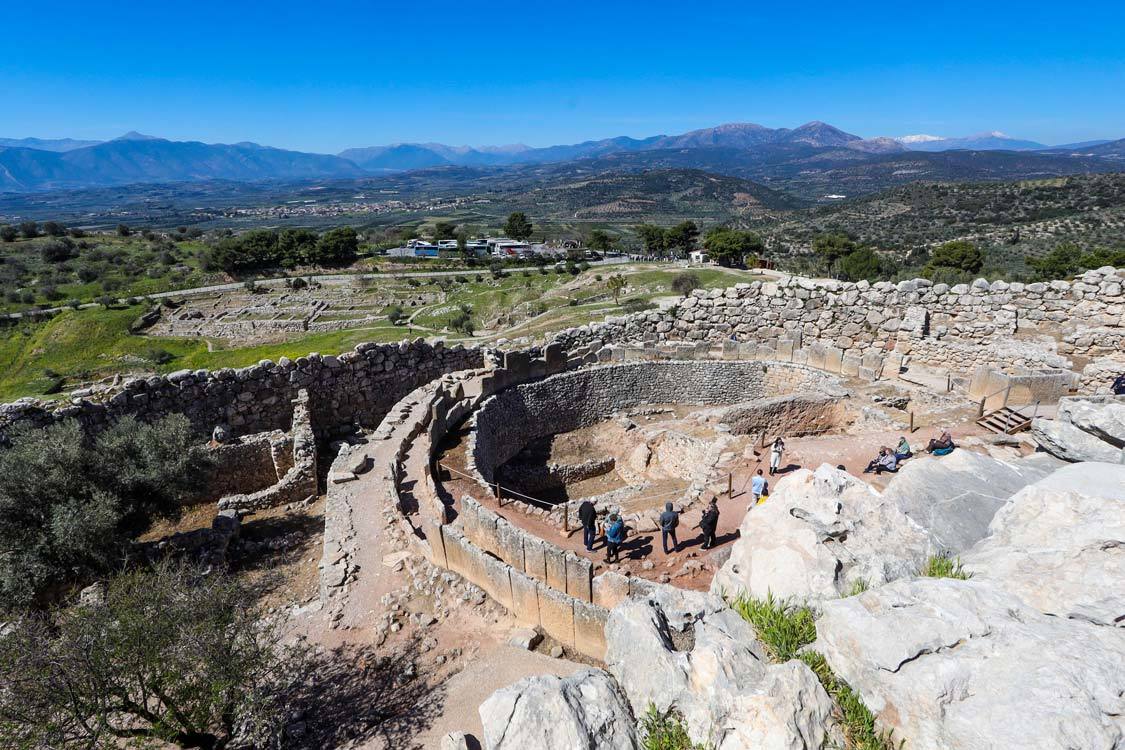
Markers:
46,144
140,159
994,141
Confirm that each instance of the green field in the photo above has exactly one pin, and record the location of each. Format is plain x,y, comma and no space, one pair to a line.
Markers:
80,346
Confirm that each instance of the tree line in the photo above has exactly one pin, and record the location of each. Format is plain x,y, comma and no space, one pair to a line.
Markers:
287,248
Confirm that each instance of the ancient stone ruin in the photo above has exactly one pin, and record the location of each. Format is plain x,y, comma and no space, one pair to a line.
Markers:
470,463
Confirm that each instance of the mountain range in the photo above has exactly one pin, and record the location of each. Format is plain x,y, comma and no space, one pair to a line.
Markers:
739,149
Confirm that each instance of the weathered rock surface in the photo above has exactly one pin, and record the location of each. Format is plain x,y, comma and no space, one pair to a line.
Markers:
1101,416
820,532
963,664
1064,440
1059,544
953,498
585,710
688,650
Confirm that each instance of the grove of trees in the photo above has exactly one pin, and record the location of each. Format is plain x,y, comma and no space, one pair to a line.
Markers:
289,248
731,247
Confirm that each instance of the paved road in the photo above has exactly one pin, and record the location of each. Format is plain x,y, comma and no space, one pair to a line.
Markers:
335,278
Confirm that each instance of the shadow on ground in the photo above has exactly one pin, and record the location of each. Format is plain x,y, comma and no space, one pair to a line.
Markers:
355,696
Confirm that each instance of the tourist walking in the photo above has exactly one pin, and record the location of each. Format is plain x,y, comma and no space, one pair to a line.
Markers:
709,523
669,520
758,486
776,450
588,515
614,537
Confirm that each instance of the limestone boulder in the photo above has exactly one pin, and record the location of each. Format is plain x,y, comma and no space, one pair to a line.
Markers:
954,498
819,533
1063,440
689,650
963,664
1103,417
1059,545
585,710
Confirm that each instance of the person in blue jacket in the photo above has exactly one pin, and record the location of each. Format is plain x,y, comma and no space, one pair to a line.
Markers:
614,537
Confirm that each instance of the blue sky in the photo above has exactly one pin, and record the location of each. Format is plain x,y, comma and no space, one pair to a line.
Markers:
327,75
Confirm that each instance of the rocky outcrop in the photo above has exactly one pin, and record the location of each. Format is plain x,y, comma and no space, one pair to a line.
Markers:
964,664
819,533
953,498
585,710
1086,429
1059,545
688,650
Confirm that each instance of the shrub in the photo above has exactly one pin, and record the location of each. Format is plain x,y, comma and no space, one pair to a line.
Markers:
8,233
858,587
413,282
543,271
396,316
159,356
943,566
783,628
170,657
462,322
70,504
684,283
665,730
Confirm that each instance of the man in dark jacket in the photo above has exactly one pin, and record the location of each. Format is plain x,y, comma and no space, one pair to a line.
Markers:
709,523
669,520
1118,386
588,515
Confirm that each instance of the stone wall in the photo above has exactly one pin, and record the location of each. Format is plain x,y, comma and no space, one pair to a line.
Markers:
249,463
298,482
354,387
569,401
947,327
782,415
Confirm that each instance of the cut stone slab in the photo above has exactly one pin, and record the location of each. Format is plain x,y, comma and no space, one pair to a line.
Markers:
525,638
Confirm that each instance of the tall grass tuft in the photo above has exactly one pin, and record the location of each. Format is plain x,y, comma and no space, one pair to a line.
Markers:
856,720
782,627
665,730
943,566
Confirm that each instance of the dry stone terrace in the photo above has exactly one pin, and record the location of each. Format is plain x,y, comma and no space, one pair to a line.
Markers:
757,359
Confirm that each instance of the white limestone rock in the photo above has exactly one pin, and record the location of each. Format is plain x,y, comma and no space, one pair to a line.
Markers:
1103,417
1059,545
585,710
1063,440
963,664
819,533
688,650
953,498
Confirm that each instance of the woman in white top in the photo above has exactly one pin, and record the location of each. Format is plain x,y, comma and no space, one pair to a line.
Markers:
775,455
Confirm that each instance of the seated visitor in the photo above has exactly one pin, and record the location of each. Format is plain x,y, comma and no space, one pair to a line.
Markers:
885,461
902,450
943,443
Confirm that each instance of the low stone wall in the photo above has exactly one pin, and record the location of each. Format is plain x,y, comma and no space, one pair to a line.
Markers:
782,415
513,418
538,477
299,482
1086,316
354,387
249,463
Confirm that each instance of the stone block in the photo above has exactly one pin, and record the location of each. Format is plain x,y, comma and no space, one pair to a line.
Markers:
534,558
509,544
453,542
555,560
517,364
496,579
525,599
589,629
555,357
556,615
785,350
816,357
833,359
866,373
435,542
850,365
579,576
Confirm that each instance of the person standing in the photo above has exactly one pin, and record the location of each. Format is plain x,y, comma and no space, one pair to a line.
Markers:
669,520
614,537
776,450
709,523
758,486
588,516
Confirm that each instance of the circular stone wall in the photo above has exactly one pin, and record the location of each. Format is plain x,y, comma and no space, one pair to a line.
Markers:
513,418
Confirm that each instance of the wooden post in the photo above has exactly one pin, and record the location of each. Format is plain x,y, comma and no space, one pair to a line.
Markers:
980,412
911,421
566,515
730,484
499,497
948,382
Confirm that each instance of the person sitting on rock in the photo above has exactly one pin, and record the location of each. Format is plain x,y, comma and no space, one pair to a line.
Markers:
885,461
614,538
669,520
902,450
709,523
942,443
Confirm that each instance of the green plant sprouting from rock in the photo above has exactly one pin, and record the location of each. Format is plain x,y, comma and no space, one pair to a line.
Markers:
665,730
783,628
943,566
